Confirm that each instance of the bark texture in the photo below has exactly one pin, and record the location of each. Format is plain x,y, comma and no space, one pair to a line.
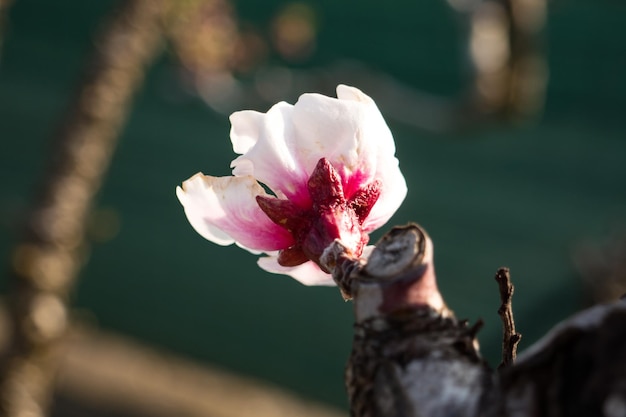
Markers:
411,357
578,369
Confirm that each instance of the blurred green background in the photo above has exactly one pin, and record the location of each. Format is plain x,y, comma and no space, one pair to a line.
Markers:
523,195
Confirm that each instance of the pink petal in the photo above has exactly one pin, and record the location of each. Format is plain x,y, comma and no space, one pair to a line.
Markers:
224,210
308,273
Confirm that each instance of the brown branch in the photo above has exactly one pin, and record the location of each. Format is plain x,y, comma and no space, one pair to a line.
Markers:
48,258
510,338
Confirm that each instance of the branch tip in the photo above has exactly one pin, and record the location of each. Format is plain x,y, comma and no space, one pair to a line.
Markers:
510,338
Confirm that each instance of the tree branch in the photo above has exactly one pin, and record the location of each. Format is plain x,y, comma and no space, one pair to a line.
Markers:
48,258
510,338
407,344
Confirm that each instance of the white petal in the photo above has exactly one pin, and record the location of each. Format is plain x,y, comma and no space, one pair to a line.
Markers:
387,170
352,133
336,130
244,132
308,273
224,211
271,159
393,192
346,92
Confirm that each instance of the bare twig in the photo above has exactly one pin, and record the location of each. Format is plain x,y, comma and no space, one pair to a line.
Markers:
47,260
510,338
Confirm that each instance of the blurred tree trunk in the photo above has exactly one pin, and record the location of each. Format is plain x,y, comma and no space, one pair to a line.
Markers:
48,258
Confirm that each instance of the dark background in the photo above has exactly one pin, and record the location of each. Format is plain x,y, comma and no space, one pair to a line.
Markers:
522,195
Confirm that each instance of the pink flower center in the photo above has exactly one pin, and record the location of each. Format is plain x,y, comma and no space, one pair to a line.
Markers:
331,216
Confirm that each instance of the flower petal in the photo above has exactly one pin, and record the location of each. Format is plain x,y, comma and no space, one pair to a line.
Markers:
379,140
393,191
224,211
348,93
270,159
308,273
244,131
340,131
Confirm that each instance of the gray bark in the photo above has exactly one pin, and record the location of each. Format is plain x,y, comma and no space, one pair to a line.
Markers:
412,358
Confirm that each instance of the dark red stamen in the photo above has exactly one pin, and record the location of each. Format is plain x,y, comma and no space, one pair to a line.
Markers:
292,256
282,212
325,185
364,199
330,216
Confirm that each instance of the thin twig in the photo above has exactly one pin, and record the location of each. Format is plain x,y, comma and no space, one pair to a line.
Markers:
510,338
